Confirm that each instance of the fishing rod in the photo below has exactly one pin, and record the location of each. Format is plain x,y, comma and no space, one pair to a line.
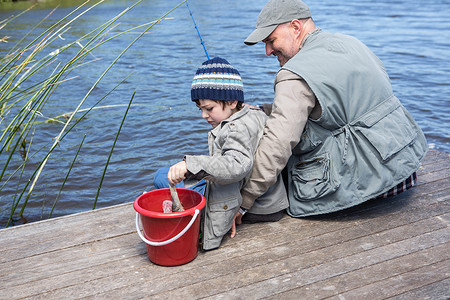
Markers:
198,32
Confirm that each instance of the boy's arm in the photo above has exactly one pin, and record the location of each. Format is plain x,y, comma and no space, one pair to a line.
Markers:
232,164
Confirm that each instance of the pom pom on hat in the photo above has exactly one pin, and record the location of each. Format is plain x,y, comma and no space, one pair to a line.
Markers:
216,79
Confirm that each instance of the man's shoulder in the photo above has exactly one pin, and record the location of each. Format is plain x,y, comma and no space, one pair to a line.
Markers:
285,74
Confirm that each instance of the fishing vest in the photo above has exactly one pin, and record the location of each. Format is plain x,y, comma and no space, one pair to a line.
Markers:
365,141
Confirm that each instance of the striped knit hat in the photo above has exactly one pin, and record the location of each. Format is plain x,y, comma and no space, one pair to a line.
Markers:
216,79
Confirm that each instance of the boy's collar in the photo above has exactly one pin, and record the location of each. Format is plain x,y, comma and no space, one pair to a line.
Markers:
231,118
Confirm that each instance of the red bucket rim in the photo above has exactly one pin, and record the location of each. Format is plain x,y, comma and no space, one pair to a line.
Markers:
187,212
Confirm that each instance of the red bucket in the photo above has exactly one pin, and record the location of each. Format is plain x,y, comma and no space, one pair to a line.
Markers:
171,238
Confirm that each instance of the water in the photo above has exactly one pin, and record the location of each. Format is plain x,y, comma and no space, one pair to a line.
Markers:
411,38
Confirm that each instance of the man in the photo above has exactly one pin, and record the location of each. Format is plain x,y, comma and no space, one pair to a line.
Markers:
334,124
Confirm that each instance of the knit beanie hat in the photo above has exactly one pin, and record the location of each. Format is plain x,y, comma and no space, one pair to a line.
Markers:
216,79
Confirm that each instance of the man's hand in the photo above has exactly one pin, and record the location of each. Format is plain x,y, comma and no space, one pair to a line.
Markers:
177,172
237,220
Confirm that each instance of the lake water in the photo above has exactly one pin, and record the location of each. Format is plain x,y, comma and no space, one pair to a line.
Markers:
412,38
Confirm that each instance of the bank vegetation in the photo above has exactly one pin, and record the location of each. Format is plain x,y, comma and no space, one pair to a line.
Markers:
29,76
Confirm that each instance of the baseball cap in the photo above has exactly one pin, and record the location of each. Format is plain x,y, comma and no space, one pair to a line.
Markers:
274,13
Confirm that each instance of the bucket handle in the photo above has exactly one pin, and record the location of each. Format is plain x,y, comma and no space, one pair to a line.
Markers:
173,239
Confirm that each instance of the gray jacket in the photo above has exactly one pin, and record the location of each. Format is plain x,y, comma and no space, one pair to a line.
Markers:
232,145
364,143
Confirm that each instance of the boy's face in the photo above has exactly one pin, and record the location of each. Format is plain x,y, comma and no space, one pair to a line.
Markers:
214,113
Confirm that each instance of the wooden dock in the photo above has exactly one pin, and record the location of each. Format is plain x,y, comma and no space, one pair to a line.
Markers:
389,248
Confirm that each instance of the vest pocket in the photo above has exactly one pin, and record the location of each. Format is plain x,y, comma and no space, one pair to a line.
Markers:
390,134
221,215
313,178
308,141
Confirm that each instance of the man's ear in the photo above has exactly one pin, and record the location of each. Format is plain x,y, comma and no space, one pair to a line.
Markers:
297,26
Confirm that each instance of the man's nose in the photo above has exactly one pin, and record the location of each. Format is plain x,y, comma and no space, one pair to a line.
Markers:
204,114
269,49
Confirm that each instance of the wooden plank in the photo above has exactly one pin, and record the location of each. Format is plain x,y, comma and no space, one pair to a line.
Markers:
435,165
275,229
225,269
68,254
301,271
87,261
258,282
101,256
435,176
67,231
437,291
337,285
434,155
396,285
98,254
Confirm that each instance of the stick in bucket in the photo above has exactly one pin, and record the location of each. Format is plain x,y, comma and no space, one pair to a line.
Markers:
176,204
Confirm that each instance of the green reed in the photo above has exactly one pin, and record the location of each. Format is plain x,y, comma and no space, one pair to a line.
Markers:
22,96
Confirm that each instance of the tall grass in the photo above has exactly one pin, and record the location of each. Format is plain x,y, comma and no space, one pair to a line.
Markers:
24,92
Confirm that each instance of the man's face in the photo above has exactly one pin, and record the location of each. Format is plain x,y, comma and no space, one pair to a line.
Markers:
282,43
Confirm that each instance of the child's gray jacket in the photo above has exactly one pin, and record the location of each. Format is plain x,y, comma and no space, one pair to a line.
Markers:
232,145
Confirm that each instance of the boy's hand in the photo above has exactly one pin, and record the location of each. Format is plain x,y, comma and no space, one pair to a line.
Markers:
177,172
237,220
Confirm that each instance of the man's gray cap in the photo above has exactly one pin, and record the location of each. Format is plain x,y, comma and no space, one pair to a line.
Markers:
274,13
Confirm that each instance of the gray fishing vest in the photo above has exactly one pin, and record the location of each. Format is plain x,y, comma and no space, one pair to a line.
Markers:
365,141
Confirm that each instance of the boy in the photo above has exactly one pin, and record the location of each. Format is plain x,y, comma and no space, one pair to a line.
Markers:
217,90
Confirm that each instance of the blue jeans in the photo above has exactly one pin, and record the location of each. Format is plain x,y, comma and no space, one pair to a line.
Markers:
161,181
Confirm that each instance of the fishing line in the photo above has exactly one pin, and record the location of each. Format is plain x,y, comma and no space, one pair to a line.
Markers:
198,32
